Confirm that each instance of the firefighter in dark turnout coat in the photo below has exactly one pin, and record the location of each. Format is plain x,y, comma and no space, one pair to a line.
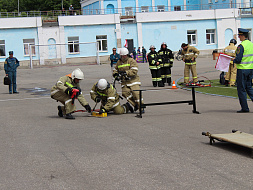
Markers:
154,67
166,58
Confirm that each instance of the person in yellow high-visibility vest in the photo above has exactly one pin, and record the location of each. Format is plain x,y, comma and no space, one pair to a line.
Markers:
244,64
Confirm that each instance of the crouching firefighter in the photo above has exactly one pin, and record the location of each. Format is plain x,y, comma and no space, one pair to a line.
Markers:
154,67
104,92
126,70
66,90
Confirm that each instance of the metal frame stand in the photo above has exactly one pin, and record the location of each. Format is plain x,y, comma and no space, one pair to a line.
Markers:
190,102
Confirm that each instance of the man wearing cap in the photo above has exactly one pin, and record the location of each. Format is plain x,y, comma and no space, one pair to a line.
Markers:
10,66
189,54
244,64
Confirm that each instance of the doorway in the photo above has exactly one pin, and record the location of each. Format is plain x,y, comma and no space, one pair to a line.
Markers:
130,44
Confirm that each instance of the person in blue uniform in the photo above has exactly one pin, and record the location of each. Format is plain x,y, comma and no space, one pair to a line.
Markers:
114,57
134,54
244,64
10,66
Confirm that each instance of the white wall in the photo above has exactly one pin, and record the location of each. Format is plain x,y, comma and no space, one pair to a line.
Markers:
89,20
23,22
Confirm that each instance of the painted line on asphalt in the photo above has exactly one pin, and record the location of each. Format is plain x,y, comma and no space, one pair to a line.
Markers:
22,99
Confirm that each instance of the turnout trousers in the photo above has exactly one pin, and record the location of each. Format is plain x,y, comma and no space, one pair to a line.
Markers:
117,108
231,74
244,87
66,101
156,77
166,75
133,97
187,69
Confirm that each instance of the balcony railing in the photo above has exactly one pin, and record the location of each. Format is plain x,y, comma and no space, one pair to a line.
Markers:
245,9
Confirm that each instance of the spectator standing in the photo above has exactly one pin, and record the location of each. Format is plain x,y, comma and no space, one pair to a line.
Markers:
71,10
10,66
244,64
134,53
139,50
114,57
144,54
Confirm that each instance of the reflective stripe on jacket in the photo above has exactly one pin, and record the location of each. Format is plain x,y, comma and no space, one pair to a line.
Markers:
189,54
131,68
247,59
165,57
153,59
109,96
67,82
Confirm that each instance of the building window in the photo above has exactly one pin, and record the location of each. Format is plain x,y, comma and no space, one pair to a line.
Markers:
160,8
177,8
129,11
2,48
27,44
144,9
192,37
210,36
73,45
249,34
102,43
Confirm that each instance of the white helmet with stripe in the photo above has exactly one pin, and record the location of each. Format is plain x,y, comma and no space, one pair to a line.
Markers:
77,74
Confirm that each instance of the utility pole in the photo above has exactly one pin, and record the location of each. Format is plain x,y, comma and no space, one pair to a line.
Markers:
18,6
61,4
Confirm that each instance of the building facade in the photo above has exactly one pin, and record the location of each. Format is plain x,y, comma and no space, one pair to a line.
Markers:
72,37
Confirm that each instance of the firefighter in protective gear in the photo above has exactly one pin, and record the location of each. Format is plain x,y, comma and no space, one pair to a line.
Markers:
231,74
154,67
107,94
126,70
189,54
166,58
66,90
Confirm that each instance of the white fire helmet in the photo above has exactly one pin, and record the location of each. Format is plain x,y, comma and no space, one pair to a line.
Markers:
152,47
124,51
77,74
102,84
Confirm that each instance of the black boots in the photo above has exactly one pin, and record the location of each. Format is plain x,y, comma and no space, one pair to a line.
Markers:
60,114
69,116
129,107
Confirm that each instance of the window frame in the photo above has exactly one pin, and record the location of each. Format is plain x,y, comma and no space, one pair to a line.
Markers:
3,44
195,34
250,34
73,42
144,9
27,49
177,8
129,10
214,36
160,8
100,42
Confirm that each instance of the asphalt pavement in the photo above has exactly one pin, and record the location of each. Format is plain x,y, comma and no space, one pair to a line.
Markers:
163,150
